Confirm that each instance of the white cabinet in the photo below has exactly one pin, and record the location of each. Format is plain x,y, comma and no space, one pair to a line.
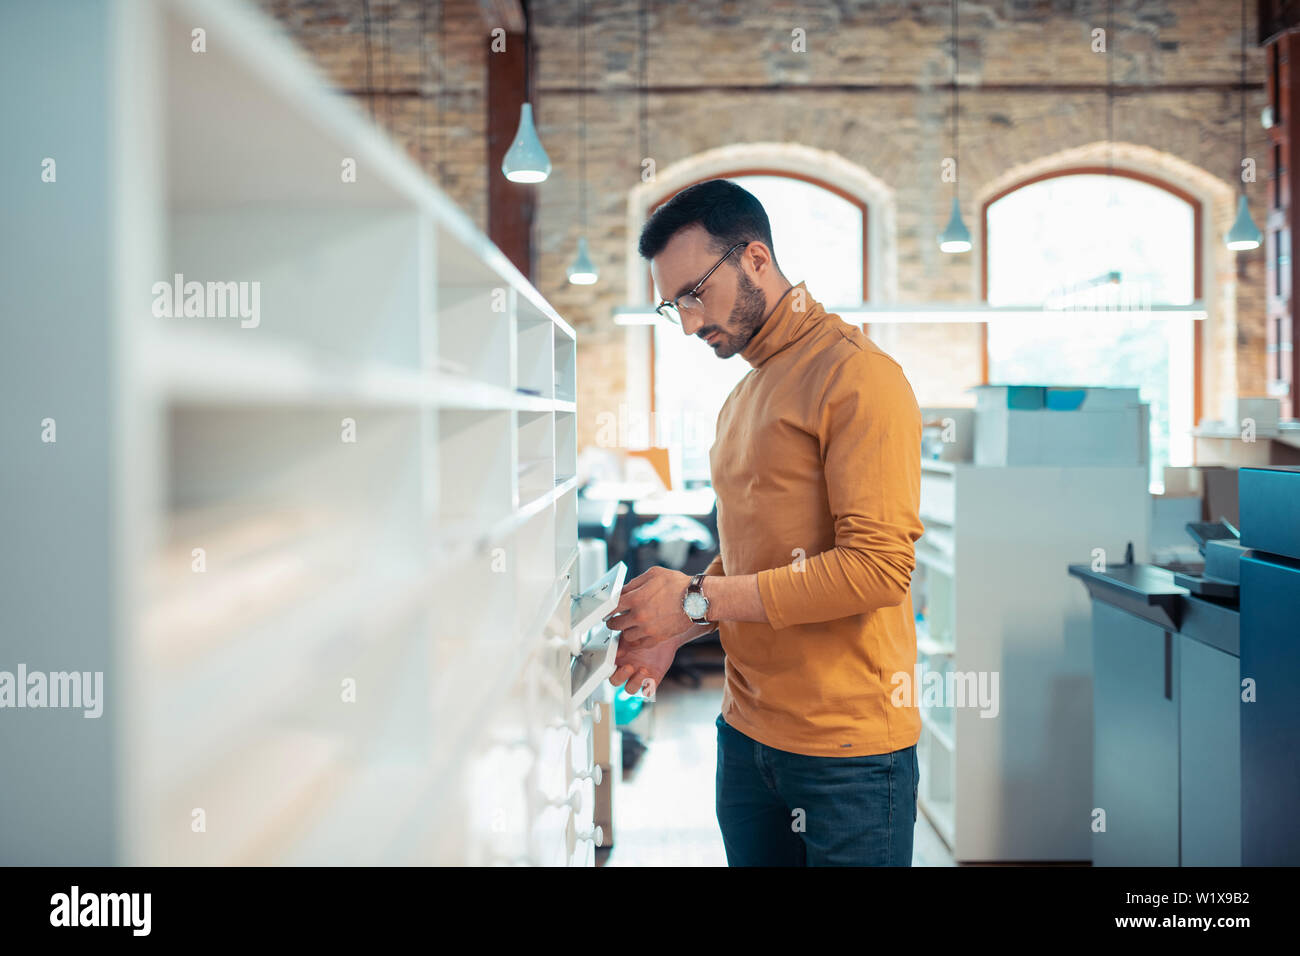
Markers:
314,525
1004,650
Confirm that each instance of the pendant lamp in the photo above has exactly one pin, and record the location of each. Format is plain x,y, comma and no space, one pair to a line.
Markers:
955,236
526,161
582,271
1244,234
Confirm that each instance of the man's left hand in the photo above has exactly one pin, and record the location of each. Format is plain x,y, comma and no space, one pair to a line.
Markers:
650,609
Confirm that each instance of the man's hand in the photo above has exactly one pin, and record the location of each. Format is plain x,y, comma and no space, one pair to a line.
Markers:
635,665
649,612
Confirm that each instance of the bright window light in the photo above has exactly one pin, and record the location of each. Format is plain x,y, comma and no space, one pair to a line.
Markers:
1060,240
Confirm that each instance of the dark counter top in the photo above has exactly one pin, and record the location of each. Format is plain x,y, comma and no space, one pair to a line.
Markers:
1141,589
1151,593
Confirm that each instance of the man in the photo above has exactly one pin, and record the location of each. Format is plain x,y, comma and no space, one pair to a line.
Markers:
817,468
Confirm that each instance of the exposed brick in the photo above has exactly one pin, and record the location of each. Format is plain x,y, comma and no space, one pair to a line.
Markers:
898,132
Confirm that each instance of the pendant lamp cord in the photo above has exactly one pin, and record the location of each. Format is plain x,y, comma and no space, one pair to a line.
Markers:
426,74
388,71
370,73
955,149
1243,97
528,58
1110,90
432,159
582,112
440,86
645,89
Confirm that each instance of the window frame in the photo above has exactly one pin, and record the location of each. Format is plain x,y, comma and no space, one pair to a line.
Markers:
1198,258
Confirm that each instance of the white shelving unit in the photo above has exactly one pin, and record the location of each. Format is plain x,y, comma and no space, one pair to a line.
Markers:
368,488
994,596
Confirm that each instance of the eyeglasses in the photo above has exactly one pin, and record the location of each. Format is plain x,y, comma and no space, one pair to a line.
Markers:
690,301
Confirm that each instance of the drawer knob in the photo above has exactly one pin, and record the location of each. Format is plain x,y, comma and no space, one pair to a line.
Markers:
573,801
574,836
572,642
573,722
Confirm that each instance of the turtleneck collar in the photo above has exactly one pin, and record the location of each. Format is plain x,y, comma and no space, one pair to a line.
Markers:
782,326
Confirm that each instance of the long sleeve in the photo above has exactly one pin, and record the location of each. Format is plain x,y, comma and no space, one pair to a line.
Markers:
870,435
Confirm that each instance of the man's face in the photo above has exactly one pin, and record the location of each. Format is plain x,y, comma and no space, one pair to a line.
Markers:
733,306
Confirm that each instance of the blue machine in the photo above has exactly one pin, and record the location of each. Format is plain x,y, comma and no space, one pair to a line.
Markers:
1270,656
1196,686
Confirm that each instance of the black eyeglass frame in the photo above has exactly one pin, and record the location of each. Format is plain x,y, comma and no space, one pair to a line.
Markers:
695,291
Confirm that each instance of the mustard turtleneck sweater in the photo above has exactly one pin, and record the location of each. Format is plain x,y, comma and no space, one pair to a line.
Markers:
817,469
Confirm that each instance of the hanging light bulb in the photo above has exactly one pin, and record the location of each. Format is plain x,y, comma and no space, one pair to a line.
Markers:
526,161
955,236
1244,234
582,271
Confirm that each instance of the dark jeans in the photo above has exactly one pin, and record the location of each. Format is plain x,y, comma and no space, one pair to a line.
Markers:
778,808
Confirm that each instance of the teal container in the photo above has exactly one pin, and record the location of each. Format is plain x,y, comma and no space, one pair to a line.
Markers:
1020,397
626,707
1065,399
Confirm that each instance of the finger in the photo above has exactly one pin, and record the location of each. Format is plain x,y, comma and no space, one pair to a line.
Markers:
622,623
621,674
633,685
633,636
627,600
619,615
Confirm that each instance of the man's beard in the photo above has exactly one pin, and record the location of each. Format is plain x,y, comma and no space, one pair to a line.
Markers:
746,318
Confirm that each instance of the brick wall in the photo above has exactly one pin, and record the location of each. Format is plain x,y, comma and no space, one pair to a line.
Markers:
1025,56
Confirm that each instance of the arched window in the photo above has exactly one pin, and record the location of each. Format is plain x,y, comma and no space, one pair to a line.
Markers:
1103,249
819,236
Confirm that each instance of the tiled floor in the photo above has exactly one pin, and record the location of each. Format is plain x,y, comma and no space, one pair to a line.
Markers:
665,814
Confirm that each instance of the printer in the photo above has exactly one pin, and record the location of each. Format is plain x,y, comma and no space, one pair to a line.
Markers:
1196,693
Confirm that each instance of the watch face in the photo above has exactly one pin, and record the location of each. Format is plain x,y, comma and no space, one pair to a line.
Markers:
695,604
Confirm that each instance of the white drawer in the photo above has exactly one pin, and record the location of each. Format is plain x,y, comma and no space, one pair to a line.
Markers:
581,750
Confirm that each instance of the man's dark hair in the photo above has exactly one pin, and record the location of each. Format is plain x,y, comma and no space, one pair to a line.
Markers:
729,213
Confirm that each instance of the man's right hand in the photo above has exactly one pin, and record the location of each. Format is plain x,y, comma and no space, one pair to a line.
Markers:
635,664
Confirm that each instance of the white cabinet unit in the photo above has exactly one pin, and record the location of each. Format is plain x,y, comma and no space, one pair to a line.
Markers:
1003,631
311,507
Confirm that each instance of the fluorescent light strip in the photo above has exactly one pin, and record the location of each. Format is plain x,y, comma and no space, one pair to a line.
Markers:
930,312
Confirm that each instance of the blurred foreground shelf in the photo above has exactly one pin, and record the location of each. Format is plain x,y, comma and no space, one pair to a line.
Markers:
312,506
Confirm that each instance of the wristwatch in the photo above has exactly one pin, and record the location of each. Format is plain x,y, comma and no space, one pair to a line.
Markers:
694,603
